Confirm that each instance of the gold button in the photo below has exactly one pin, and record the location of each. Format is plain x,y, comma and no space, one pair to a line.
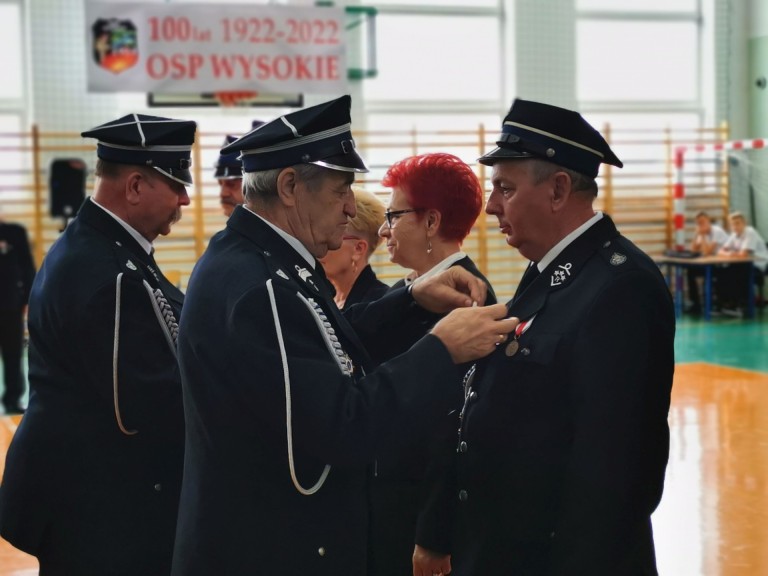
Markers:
321,551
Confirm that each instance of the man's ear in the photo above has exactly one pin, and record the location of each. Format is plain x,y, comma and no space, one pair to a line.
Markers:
287,183
133,187
561,190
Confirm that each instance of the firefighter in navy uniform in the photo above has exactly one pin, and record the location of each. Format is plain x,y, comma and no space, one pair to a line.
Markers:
564,438
17,271
93,473
228,171
283,408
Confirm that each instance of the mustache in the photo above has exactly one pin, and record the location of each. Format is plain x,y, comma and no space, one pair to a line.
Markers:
176,216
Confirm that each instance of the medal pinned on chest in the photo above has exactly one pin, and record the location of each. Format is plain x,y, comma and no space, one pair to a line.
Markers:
514,345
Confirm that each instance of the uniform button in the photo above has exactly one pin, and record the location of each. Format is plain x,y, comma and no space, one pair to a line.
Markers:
321,551
525,351
463,447
158,487
473,396
463,495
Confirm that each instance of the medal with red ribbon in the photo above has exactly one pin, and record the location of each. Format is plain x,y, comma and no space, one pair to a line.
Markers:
520,329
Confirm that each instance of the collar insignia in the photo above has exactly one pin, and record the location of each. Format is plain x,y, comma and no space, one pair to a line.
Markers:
560,275
282,274
306,275
131,265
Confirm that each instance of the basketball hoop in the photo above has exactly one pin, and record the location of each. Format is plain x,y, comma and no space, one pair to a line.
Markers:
235,98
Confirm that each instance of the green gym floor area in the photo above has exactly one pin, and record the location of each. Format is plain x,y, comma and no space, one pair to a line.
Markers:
731,342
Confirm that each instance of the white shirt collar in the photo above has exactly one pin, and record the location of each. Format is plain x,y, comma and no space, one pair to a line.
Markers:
439,267
143,242
293,241
554,252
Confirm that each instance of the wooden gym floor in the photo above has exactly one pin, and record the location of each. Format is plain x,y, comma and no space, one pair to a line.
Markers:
713,518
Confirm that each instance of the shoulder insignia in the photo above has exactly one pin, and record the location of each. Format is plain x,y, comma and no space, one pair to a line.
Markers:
129,264
618,259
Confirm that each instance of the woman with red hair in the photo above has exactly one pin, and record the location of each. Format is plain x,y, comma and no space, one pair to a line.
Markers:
436,199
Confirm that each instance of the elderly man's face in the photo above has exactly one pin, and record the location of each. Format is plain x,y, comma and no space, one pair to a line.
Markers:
522,207
162,199
230,194
323,210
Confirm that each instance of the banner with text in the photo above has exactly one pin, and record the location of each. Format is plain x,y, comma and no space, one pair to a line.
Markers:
194,48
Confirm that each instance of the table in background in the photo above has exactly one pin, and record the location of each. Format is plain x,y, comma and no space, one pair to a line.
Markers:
707,263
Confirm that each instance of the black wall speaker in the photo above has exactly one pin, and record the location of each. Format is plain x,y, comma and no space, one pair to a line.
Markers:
67,186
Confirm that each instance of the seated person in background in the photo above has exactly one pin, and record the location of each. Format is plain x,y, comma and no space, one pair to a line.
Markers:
744,241
708,240
347,268
436,199
229,174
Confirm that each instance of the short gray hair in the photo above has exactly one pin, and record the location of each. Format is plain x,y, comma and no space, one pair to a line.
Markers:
261,187
542,169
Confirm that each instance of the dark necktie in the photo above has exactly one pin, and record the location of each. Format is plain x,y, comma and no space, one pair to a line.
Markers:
531,273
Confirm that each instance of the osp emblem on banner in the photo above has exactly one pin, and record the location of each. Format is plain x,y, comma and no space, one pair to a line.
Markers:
115,44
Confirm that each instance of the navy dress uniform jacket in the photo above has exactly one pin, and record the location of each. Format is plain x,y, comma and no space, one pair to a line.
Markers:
564,444
17,268
77,491
416,457
366,288
250,294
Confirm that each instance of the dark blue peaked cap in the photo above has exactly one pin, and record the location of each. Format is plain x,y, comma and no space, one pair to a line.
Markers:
316,135
563,137
229,166
164,144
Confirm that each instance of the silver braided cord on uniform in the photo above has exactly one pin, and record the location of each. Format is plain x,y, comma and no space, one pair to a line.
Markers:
115,348
329,335
287,381
165,317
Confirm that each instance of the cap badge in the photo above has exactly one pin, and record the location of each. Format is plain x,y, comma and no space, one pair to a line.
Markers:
561,275
131,265
618,259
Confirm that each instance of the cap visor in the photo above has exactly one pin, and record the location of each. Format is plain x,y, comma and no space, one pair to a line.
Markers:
351,162
498,154
180,176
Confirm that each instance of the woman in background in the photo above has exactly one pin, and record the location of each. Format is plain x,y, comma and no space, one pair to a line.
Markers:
436,199
347,268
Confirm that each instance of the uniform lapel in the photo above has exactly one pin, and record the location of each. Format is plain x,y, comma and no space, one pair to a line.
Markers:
286,262
559,275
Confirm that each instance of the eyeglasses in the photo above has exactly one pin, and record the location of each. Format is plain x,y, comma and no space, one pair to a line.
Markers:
393,215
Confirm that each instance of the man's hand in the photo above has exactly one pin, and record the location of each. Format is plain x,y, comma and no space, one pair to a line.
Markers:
452,288
471,333
428,563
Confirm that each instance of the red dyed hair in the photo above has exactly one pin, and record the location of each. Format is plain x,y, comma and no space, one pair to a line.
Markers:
441,182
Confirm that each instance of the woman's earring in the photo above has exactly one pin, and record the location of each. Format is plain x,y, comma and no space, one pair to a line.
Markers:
429,246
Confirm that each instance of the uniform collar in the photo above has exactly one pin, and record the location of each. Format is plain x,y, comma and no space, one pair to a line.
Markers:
292,240
559,274
554,252
437,268
143,242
